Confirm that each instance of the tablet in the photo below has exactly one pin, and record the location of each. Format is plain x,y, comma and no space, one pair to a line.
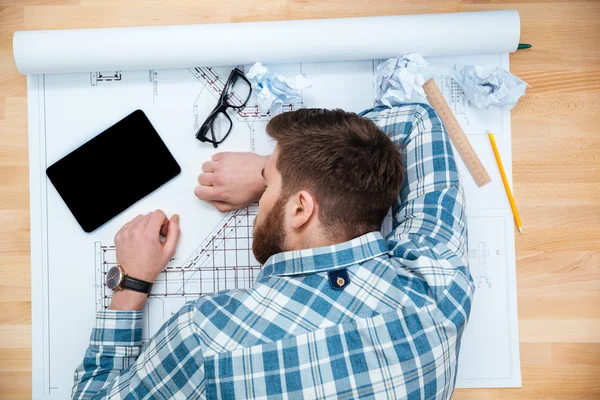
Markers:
112,171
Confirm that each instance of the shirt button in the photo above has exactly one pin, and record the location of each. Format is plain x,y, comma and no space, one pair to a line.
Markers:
338,279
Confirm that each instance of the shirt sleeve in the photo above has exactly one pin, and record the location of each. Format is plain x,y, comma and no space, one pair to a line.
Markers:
429,234
116,365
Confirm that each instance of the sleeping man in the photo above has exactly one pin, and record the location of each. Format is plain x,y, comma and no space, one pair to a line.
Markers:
337,311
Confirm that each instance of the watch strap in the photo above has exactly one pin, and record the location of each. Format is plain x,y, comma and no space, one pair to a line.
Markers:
137,285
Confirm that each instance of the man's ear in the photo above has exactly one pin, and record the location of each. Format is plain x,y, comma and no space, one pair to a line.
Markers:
304,208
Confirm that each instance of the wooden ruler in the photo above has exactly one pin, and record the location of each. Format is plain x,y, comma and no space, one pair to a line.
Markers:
460,140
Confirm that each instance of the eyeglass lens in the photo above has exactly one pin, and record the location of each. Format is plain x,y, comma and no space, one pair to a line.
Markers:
238,92
220,126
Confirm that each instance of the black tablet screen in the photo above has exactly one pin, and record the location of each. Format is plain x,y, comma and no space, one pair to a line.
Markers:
113,170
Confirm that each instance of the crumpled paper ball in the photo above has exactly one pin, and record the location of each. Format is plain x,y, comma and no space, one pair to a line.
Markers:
398,78
273,89
485,86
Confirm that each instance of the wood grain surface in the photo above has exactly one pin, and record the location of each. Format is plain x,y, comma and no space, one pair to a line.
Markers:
556,155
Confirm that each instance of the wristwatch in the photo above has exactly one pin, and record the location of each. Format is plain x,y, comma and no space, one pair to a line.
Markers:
117,279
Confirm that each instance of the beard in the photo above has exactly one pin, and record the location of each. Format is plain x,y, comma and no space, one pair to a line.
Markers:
269,237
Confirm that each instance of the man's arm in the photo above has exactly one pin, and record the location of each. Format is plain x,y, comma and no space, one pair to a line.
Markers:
114,364
114,346
429,235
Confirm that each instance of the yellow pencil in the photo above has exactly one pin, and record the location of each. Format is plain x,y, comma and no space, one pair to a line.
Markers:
511,199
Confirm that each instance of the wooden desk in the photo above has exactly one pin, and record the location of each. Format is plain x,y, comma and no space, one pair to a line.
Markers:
556,153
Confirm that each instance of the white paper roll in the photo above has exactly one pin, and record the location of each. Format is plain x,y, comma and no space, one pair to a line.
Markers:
161,47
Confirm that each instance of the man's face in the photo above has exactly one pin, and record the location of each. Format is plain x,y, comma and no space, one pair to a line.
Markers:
269,233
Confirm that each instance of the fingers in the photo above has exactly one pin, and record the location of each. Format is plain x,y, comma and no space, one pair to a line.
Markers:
164,229
208,193
155,221
206,179
222,156
173,232
209,166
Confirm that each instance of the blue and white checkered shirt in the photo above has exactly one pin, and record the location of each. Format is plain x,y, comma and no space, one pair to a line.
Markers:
393,331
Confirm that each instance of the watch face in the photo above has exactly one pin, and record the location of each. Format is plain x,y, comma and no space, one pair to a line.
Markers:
114,277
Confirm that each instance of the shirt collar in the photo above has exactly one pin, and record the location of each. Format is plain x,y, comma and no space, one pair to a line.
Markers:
325,258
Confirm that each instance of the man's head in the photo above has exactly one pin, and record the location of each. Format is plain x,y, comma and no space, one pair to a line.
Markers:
333,177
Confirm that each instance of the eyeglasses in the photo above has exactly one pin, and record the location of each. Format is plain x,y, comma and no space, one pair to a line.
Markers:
235,94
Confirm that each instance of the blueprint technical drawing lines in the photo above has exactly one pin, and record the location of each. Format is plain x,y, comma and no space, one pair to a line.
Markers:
224,260
102,76
478,259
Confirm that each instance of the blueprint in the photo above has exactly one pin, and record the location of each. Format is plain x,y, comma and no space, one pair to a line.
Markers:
214,252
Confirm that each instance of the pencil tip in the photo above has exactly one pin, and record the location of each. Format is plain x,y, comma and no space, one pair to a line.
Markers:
520,229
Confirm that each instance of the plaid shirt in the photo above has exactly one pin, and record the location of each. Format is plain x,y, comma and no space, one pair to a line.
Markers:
392,331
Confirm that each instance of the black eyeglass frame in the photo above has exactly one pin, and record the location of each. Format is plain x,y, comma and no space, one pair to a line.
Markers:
221,107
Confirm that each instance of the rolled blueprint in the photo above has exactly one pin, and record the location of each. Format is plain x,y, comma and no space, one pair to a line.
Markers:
342,39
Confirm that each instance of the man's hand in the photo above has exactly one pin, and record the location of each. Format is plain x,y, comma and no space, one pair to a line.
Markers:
231,181
142,254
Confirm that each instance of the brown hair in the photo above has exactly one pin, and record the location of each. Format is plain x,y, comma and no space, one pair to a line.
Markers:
350,165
